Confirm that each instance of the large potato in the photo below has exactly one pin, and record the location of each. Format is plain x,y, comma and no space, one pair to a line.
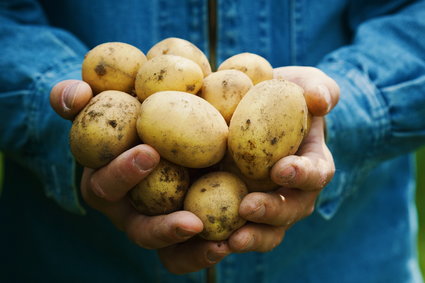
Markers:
224,89
215,199
112,66
162,191
181,47
168,72
255,66
105,128
183,128
268,124
262,185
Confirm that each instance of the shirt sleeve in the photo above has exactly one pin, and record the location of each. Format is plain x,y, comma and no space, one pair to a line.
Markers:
382,105
34,57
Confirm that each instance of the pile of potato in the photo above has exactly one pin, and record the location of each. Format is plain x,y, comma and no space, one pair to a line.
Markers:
218,133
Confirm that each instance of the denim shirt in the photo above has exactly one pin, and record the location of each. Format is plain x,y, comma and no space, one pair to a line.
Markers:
364,225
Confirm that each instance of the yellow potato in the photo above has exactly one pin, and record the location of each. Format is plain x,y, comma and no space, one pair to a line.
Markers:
105,128
267,125
112,66
168,72
255,66
215,198
162,191
224,89
262,185
181,47
184,128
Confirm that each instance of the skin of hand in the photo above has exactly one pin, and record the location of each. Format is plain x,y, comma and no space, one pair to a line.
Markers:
302,176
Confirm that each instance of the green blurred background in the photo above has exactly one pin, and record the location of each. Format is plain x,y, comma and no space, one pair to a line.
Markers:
420,199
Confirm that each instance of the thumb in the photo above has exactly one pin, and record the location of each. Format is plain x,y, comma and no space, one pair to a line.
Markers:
69,97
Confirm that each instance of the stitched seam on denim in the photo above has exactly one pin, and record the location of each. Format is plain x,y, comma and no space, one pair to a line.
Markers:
227,15
297,32
164,17
264,28
196,23
292,35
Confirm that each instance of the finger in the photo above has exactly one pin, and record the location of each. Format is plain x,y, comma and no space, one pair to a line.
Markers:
69,97
193,255
163,230
312,168
256,237
147,232
321,91
113,181
282,207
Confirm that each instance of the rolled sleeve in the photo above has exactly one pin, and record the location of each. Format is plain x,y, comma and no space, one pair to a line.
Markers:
55,163
34,58
357,125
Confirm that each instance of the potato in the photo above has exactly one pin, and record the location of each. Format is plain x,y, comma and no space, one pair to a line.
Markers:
224,89
168,72
184,128
112,66
263,185
267,125
215,199
105,128
181,47
255,66
162,191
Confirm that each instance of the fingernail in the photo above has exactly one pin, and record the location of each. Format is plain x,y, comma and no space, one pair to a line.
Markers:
214,257
182,233
287,175
97,190
144,162
259,211
324,91
69,95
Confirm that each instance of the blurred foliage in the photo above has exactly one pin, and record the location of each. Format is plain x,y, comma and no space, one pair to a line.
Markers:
420,201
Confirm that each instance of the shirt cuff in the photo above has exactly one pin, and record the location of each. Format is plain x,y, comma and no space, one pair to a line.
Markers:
354,128
55,165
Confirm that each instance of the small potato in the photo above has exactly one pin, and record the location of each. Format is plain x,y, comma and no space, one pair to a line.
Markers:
181,47
168,72
162,191
267,125
105,128
215,198
224,89
255,66
112,66
184,128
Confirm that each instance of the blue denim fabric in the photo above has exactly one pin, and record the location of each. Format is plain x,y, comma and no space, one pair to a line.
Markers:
364,226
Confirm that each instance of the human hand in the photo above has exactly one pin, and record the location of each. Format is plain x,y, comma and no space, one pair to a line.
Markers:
302,176
105,190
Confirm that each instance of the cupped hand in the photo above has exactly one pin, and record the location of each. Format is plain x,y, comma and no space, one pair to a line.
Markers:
105,189
301,176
